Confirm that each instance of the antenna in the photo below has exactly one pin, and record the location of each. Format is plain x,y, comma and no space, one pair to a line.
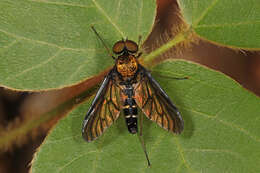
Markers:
140,136
139,40
139,45
103,42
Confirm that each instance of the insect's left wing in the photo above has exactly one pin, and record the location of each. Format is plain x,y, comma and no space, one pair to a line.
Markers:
104,110
155,103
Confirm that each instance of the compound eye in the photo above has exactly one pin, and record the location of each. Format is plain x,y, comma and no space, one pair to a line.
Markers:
119,47
131,46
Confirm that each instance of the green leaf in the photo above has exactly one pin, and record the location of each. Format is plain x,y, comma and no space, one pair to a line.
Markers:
221,132
230,23
48,44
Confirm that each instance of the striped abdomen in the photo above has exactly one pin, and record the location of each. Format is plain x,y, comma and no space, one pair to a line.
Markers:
130,111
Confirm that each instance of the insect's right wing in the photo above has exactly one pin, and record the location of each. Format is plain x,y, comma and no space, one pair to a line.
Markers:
104,110
155,103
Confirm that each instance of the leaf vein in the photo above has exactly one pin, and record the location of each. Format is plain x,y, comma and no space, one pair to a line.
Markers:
43,42
234,126
205,12
140,17
180,150
196,80
61,140
76,71
62,3
11,44
118,10
74,159
237,155
108,18
227,24
231,125
36,66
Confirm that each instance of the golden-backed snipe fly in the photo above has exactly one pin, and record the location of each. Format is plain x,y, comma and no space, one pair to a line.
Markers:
127,86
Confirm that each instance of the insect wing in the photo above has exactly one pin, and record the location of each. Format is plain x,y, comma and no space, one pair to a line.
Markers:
103,111
156,105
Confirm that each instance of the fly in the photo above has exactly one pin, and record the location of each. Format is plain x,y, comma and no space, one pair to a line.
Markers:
127,86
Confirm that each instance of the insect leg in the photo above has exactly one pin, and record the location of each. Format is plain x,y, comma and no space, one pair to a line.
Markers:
141,139
141,124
